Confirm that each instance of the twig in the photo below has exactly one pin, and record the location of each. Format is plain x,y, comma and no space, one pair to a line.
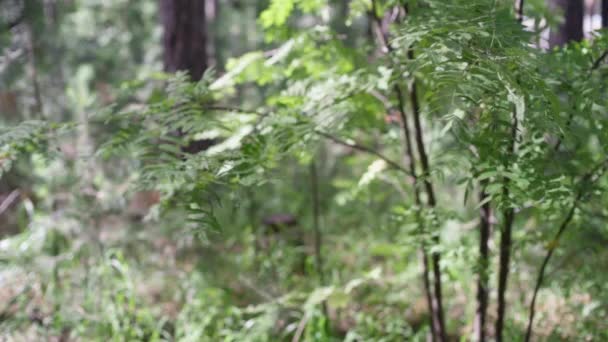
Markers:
520,11
541,273
596,64
554,243
263,294
436,305
432,202
12,196
424,255
363,148
5,313
300,330
506,236
599,60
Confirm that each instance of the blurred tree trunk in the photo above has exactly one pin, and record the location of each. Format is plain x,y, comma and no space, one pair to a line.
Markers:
184,36
572,27
213,46
604,13
185,45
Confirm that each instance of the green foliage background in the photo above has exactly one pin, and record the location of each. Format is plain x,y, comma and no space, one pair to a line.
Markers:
297,84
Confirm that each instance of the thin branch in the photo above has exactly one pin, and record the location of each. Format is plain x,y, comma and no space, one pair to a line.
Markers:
433,306
235,110
567,258
385,101
506,237
599,60
520,11
596,64
260,292
300,330
354,145
382,36
435,256
6,311
436,305
541,273
555,242
485,228
366,149
263,114
12,196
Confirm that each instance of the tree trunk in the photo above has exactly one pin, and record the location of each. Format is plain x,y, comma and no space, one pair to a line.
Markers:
184,36
185,46
572,27
485,229
605,13
211,14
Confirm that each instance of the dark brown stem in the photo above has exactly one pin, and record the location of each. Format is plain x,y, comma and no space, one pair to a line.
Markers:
599,169
437,315
520,11
485,228
424,255
505,240
503,273
431,304
541,272
599,60
435,256
424,161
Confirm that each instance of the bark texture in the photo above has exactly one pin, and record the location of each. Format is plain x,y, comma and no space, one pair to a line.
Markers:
184,36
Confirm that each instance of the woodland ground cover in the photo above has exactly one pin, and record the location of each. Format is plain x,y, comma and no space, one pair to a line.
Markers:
303,170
